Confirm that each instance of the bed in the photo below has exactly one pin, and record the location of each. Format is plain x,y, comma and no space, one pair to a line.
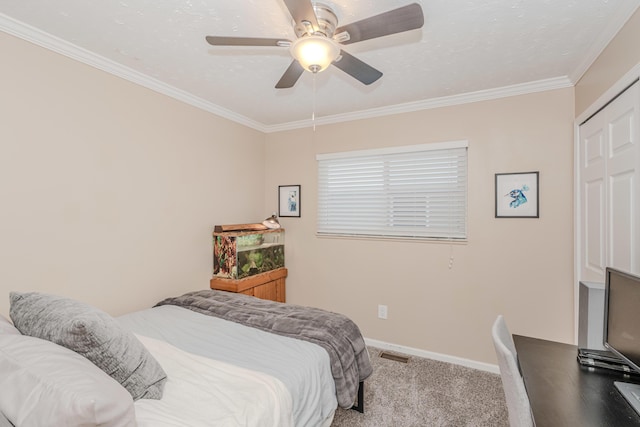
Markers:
200,359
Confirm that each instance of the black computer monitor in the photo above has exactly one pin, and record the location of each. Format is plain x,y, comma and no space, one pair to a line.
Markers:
622,326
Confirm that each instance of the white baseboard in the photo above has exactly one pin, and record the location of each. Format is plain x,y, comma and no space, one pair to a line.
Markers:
434,356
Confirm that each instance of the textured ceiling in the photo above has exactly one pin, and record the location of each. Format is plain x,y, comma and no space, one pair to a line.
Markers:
464,47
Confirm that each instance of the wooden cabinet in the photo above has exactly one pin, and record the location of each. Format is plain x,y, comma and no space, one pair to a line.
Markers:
269,285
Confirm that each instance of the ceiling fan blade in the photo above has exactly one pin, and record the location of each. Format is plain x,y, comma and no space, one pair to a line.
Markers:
291,76
357,69
405,18
302,11
246,41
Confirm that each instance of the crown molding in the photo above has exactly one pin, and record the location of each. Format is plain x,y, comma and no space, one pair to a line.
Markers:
446,101
48,41
612,29
55,44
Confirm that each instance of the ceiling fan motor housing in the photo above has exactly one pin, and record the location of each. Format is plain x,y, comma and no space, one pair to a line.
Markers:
327,22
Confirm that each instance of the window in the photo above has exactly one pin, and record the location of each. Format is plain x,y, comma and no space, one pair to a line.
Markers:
414,192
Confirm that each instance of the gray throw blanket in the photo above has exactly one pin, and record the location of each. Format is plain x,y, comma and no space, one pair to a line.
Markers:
336,333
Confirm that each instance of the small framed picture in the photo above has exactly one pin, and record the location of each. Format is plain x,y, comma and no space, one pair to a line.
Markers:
517,195
289,200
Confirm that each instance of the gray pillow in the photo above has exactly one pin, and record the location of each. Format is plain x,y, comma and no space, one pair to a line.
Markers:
93,334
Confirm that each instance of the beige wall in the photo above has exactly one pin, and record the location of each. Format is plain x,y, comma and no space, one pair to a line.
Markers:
620,56
522,268
109,191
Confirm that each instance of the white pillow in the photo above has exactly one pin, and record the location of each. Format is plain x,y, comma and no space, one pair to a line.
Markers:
44,384
6,327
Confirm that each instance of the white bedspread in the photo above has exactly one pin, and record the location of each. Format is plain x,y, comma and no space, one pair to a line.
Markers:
303,367
205,392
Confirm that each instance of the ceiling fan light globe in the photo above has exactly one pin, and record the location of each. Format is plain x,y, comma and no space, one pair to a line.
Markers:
315,53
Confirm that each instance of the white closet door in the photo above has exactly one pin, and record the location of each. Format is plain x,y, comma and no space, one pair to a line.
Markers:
592,197
623,168
610,188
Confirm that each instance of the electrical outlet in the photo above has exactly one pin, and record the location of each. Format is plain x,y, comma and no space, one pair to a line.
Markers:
382,311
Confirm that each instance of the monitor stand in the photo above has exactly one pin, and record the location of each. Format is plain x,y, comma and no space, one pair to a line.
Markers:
631,393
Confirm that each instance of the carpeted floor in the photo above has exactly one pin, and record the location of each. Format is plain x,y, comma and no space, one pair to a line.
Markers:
427,393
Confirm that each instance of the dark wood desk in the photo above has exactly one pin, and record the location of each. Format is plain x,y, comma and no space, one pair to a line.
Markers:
564,393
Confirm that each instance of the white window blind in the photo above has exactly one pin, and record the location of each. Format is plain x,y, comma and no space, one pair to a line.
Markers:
404,192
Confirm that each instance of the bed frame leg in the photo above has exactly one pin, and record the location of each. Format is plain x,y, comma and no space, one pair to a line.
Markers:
360,404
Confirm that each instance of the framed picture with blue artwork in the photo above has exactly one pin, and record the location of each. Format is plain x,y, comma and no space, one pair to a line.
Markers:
517,195
289,200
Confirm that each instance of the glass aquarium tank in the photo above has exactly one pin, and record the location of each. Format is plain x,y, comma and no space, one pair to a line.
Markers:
240,254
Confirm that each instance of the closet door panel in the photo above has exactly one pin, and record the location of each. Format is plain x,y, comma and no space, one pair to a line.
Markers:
594,228
621,242
592,193
622,168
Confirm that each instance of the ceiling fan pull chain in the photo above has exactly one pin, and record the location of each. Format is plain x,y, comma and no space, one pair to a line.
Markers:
313,114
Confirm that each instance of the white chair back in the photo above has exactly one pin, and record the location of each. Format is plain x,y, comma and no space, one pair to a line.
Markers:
514,391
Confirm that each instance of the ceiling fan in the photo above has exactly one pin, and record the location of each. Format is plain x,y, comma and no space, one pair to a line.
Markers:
319,38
